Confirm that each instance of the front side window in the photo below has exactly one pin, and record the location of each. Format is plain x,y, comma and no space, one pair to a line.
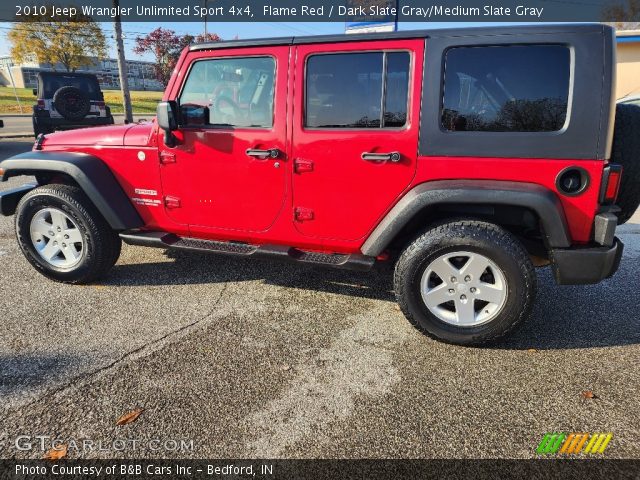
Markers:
357,90
520,88
229,92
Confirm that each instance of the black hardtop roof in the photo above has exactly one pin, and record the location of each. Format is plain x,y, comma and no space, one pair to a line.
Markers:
533,29
52,73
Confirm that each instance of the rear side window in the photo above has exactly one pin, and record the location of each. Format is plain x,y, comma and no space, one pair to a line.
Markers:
521,88
357,90
229,92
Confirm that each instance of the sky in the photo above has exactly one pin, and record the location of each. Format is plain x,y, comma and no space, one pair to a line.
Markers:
226,30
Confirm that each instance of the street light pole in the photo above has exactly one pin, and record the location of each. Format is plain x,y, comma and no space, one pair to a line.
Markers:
122,65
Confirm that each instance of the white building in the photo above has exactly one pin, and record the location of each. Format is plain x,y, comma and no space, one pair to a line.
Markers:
141,74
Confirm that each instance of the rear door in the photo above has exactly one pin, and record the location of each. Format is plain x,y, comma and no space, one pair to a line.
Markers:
355,133
227,170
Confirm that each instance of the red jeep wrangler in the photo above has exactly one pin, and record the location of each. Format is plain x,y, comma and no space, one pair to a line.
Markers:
473,154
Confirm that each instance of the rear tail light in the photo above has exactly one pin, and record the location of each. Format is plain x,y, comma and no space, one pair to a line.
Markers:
40,104
611,178
100,104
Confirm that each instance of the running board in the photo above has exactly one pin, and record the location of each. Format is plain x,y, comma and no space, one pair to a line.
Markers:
171,241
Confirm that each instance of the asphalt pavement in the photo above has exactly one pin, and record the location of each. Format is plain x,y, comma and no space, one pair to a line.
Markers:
240,358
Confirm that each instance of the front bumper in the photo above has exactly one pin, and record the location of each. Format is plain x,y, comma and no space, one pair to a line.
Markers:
9,199
582,266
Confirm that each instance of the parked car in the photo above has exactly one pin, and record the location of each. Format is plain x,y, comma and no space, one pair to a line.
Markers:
464,156
68,100
1,123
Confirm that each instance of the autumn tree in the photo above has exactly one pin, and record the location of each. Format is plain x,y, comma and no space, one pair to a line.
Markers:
72,43
165,46
623,14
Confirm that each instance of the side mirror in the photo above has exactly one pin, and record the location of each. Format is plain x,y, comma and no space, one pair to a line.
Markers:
35,91
167,121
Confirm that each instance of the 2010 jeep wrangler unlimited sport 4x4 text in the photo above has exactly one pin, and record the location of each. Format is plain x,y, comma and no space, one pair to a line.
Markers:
466,156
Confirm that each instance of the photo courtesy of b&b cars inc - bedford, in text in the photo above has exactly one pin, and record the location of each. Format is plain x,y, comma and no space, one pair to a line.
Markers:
329,239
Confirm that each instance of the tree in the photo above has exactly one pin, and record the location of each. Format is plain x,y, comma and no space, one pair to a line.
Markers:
623,15
71,43
166,46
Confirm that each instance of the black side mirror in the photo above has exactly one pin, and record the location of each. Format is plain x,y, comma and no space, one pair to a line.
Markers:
167,121
35,91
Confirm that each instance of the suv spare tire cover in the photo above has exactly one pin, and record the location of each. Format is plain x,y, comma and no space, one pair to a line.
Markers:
71,102
626,152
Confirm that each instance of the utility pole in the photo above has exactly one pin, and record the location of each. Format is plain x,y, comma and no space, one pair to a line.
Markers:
122,65
205,19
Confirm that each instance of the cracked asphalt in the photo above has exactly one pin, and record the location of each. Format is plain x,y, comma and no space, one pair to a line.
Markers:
254,359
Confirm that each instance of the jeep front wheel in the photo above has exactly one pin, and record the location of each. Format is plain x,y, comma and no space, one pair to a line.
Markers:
63,235
465,282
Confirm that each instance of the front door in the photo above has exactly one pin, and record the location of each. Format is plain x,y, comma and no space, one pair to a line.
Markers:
355,137
227,170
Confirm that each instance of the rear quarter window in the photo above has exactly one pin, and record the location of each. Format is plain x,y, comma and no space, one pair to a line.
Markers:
515,88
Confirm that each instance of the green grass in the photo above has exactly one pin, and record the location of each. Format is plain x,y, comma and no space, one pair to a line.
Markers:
143,102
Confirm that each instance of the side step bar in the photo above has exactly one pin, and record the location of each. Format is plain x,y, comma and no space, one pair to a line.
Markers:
169,240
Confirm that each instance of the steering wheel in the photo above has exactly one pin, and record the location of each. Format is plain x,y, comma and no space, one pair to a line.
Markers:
223,100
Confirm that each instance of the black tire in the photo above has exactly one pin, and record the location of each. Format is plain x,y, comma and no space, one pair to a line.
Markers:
487,239
72,103
626,152
101,244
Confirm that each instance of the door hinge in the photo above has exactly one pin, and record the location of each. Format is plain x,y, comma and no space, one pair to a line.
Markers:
171,201
302,214
167,157
301,166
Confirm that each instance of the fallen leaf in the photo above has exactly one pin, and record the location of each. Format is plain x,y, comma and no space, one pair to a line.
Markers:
397,307
129,417
589,394
285,368
532,350
56,453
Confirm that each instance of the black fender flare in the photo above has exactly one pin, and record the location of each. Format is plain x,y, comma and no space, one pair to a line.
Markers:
92,176
537,198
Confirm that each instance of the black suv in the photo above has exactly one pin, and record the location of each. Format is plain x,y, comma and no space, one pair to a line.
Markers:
68,100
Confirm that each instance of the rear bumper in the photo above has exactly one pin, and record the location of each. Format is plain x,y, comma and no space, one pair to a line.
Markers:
9,199
63,123
581,266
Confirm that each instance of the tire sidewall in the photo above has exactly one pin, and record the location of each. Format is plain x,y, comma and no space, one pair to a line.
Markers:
419,259
27,209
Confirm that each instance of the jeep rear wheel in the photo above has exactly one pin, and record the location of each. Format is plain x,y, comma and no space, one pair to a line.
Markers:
63,236
465,282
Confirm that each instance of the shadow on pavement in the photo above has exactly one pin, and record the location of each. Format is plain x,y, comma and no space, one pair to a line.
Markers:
185,268
564,317
21,372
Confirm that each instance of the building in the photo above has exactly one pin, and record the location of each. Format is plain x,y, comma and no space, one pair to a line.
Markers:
628,49
24,75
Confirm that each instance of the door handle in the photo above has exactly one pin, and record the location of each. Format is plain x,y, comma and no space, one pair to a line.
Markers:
381,157
263,154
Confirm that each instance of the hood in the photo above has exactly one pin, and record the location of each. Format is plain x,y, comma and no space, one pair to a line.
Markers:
134,134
